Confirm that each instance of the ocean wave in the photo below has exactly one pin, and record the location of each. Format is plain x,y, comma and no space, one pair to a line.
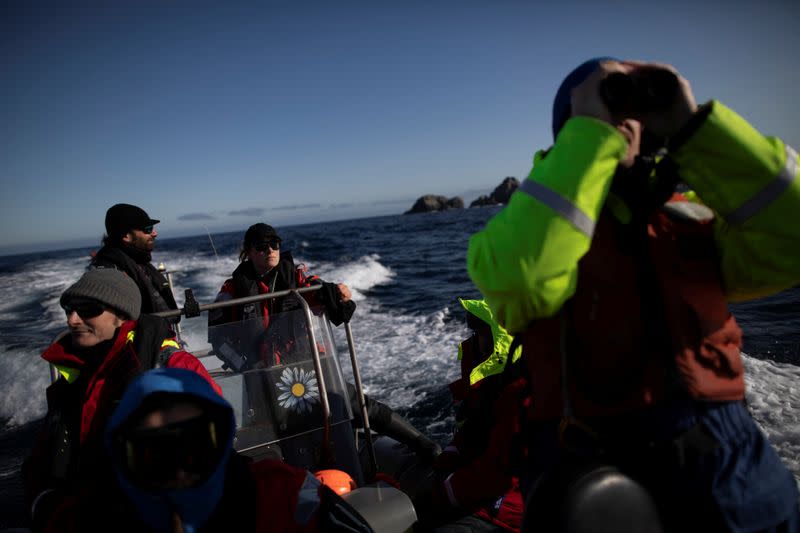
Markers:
23,378
773,397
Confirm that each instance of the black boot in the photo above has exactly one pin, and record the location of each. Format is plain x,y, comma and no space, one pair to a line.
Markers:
384,420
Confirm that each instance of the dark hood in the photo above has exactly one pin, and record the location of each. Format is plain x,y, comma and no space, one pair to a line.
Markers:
195,505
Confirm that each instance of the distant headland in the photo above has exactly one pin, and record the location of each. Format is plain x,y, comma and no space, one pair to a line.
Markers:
432,202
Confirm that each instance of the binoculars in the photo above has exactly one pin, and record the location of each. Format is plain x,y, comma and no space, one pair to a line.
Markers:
645,90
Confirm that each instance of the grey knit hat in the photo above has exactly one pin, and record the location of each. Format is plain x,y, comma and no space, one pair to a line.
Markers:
109,287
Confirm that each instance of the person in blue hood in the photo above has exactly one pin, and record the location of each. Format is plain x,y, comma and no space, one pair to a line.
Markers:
170,442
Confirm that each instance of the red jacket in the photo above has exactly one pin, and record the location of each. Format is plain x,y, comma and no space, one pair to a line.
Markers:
481,477
279,487
667,330
109,379
245,282
478,461
70,443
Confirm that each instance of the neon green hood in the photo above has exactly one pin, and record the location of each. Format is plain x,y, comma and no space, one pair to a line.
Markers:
496,362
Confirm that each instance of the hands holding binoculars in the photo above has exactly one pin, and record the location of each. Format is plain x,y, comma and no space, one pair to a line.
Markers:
652,93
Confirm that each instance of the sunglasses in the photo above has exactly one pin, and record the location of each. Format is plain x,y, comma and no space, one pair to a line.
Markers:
179,453
147,229
275,244
85,309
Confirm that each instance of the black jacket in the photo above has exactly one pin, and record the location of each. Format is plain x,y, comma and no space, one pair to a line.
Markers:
154,287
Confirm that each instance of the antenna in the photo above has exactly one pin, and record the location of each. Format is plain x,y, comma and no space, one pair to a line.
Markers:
212,242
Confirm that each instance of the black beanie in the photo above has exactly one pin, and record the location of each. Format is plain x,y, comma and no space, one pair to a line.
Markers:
258,233
122,218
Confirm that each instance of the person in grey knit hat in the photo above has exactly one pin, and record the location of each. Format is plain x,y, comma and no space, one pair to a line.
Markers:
97,304
108,344
111,288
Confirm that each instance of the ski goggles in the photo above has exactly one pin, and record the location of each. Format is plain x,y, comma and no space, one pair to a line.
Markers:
179,455
85,309
274,243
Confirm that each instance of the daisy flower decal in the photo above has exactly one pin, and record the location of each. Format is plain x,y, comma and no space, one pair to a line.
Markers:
298,390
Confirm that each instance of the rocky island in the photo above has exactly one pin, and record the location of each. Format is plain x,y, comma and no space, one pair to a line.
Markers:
500,195
432,202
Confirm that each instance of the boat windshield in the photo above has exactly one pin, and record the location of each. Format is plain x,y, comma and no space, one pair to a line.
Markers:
269,377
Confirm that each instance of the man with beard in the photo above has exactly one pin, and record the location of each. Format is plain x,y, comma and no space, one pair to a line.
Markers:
129,240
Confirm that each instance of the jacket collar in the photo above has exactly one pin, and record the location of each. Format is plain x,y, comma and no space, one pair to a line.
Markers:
62,353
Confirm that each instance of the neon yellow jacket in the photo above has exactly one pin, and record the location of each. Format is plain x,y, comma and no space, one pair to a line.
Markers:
501,343
525,260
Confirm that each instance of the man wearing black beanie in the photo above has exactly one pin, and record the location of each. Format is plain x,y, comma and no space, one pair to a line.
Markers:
129,240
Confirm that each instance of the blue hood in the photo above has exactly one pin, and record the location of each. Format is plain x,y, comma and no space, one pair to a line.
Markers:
194,504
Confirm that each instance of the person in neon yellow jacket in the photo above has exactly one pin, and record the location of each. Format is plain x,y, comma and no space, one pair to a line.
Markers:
526,263
476,488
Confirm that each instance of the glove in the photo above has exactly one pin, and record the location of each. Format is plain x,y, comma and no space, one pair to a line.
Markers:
337,310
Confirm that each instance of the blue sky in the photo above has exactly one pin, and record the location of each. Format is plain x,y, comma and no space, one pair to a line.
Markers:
224,114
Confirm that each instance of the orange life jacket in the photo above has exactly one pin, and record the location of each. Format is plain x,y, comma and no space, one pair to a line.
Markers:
649,321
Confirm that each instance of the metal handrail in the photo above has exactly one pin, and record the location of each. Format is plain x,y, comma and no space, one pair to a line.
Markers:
239,301
323,390
362,402
168,273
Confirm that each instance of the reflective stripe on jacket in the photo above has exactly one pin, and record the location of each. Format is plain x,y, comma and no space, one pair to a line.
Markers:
751,181
525,261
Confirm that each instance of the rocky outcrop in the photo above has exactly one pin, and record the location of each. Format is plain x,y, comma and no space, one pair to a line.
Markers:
501,194
431,202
